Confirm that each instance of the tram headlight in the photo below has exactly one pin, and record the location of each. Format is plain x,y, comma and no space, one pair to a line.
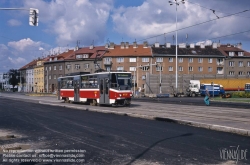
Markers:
120,95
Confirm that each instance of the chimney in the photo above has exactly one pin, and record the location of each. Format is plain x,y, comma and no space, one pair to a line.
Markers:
127,45
107,46
202,45
168,45
182,45
122,45
192,45
91,46
157,44
215,45
134,44
239,45
145,44
112,45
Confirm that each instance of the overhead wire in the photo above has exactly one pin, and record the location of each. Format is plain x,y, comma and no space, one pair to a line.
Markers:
194,25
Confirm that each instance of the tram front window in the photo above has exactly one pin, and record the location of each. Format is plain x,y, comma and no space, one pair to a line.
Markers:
124,84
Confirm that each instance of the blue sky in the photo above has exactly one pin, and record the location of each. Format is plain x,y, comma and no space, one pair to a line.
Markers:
63,22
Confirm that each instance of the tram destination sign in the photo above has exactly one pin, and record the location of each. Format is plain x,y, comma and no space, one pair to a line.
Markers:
123,75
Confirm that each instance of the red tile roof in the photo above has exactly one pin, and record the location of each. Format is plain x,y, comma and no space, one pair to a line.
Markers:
224,49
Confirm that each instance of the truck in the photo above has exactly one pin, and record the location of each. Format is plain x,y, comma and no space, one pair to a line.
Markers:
193,88
213,89
196,88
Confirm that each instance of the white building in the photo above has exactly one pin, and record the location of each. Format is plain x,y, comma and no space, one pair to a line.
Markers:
29,80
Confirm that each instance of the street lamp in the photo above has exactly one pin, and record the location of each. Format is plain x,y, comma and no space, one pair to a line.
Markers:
176,65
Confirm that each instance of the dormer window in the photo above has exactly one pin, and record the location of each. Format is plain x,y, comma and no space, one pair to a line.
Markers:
50,59
55,59
85,56
231,53
240,53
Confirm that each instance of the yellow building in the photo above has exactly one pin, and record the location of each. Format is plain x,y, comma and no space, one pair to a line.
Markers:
39,77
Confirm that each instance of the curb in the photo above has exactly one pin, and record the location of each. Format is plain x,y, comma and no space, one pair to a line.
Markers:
178,121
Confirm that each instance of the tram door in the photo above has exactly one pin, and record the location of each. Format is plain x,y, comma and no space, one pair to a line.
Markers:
104,91
76,90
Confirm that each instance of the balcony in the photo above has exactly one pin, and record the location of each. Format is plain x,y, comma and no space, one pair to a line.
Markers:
107,62
220,63
220,70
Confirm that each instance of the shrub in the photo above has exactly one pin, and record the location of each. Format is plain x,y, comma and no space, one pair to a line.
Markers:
241,95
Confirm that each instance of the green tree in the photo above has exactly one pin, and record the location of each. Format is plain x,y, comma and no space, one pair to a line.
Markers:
14,78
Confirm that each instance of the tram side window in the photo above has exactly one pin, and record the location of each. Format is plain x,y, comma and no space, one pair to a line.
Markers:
63,84
70,84
89,82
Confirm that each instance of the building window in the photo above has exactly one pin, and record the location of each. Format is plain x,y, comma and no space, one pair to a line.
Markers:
46,68
170,59
180,60
231,53
68,66
240,73
231,72
120,59
97,66
49,76
120,68
200,60
77,66
180,68
210,69
132,68
231,63
49,67
170,68
86,66
159,68
54,67
60,67
85,56
107,60
143,77
240,53
159,59
132,59
210,60
190,60
54,76
200,68
108,68
190,68
248,73
145,59
240,63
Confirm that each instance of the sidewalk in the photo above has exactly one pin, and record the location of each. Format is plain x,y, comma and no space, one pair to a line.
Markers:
232,120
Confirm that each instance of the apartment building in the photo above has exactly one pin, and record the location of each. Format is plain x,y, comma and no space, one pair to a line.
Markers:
129,57
85,60
38,82
27,72
191,59
237,61
54,67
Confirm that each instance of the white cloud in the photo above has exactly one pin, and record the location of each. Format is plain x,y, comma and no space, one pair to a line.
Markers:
14,22
17,61
158,17
24,44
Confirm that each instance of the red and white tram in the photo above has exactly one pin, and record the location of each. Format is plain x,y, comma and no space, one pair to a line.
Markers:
110,88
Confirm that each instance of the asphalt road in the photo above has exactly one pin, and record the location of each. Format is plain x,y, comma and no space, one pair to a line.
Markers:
113,139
